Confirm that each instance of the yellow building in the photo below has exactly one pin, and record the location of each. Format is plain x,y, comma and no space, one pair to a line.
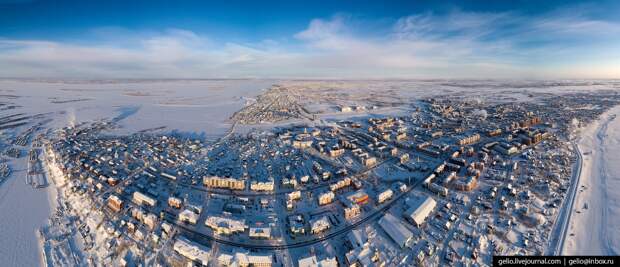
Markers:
222,182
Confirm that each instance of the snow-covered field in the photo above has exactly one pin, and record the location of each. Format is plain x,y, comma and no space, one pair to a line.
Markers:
23,210
196,106
594,228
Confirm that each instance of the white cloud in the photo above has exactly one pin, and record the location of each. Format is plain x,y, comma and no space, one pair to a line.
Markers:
454,45
320,29
473,45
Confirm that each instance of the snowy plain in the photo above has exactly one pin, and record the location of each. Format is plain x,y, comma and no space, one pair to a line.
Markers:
198,106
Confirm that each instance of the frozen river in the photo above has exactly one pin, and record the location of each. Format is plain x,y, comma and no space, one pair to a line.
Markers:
594,228
23,210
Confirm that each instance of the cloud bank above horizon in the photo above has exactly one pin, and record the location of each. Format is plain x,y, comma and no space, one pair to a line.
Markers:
562,43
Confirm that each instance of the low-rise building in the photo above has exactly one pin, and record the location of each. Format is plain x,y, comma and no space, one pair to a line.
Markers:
313,262
336,152
351,210
385,195
466,140
506,148
495,132
193,251
115,203
395,229
302,143
438,189
174,202
340,184
308,262
262,185
296,224
420,210
359,197
369,161
326,198
436,134
260,232
225,226
225,259
253,259
224,182
169,176
188,216
142,199
328,262
467,184
150,220
295,195
319,225
245,259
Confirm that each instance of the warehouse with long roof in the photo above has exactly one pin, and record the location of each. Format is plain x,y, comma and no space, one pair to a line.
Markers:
419,211
395,229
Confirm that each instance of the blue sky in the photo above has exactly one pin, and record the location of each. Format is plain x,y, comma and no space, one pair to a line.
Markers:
310,39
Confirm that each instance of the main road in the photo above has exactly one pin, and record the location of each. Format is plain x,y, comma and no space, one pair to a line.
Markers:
560,230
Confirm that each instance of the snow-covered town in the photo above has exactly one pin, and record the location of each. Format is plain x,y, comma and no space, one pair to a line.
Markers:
330,181
349,133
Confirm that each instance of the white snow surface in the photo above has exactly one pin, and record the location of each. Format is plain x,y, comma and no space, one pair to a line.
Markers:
595,228
23,210
191,106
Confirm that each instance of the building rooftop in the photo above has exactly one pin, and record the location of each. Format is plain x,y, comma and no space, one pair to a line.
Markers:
395,229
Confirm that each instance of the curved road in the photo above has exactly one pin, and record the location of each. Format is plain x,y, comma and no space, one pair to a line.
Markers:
561,229
572,195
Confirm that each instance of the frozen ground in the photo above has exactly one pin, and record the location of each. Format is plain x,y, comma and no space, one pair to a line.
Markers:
594,228
196,106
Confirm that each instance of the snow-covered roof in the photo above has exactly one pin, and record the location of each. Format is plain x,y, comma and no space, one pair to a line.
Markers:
395,229
192,250
419,213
